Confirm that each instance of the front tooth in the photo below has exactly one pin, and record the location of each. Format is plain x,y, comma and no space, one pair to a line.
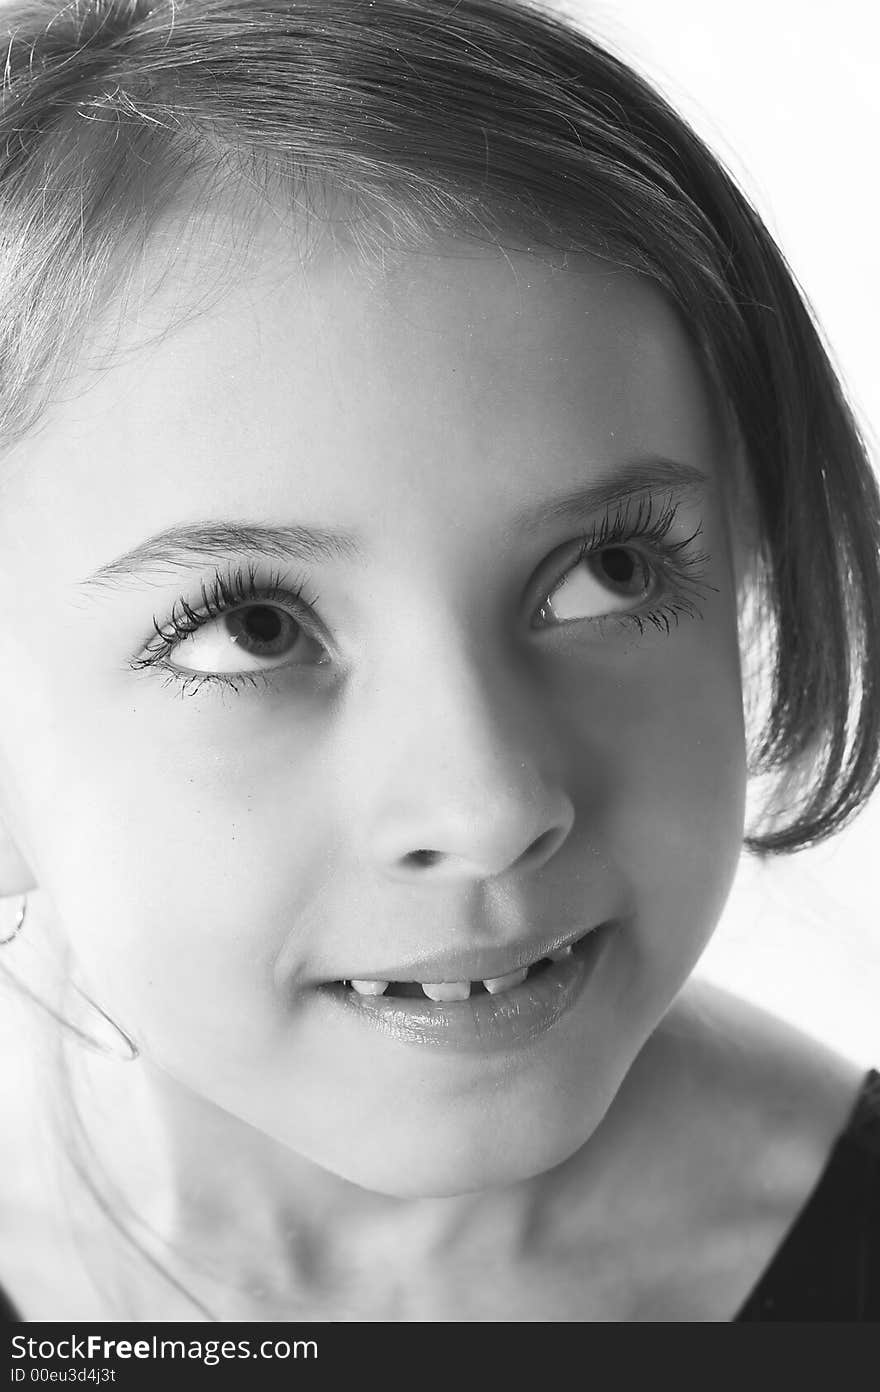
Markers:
369,988
560,954
446,990
503,983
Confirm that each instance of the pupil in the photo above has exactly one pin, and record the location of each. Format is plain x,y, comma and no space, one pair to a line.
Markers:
618,564
260,625
264,624
624,567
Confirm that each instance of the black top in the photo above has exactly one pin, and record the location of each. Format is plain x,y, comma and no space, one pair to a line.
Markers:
828,1265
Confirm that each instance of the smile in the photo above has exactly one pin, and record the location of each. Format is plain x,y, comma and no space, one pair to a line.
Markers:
461,990
484,1015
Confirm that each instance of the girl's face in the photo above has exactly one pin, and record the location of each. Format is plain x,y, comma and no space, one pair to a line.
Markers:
491,698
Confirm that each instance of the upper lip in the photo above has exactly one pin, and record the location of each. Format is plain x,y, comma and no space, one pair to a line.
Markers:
480,965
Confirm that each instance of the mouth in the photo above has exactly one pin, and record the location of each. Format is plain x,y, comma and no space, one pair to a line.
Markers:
478,1015
465,988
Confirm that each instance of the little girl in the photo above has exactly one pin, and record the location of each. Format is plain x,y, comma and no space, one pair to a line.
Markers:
425,503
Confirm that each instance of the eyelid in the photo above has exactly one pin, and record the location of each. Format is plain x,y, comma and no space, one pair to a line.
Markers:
586,549
647,530
678,565
303,612
226,592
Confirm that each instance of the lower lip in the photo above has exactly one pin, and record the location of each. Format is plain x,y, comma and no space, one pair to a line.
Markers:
484,1023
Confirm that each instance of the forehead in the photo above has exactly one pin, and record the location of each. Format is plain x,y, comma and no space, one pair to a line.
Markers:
320,388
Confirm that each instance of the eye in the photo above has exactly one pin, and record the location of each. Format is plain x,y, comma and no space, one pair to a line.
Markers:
246,631
613,580
244,639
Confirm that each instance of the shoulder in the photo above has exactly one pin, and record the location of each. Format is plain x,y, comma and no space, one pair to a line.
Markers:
756,1066
811,1196
750,1109
42,1273
755,1102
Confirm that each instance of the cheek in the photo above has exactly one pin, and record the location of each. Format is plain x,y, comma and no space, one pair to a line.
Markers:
664,786
176,869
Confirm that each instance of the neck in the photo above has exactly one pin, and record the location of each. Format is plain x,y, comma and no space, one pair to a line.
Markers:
254,1231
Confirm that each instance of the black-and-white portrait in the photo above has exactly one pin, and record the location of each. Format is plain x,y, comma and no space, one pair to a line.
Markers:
439,663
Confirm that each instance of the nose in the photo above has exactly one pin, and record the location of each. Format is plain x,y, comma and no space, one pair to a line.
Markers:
463,778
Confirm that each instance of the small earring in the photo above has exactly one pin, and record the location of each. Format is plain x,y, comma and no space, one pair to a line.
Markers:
18,922
114,1044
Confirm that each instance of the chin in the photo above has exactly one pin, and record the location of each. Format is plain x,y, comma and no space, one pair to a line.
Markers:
441,1165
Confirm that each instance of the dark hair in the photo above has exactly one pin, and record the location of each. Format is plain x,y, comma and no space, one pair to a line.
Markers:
479,116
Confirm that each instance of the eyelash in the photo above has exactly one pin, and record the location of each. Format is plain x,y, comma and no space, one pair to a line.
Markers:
683,569
226,590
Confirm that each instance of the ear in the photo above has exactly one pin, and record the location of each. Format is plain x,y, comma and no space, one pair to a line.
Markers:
16,876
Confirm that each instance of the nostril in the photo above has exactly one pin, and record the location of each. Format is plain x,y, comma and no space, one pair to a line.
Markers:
542,847
423,857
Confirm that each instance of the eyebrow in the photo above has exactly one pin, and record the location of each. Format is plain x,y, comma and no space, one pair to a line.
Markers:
637,476
189,546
